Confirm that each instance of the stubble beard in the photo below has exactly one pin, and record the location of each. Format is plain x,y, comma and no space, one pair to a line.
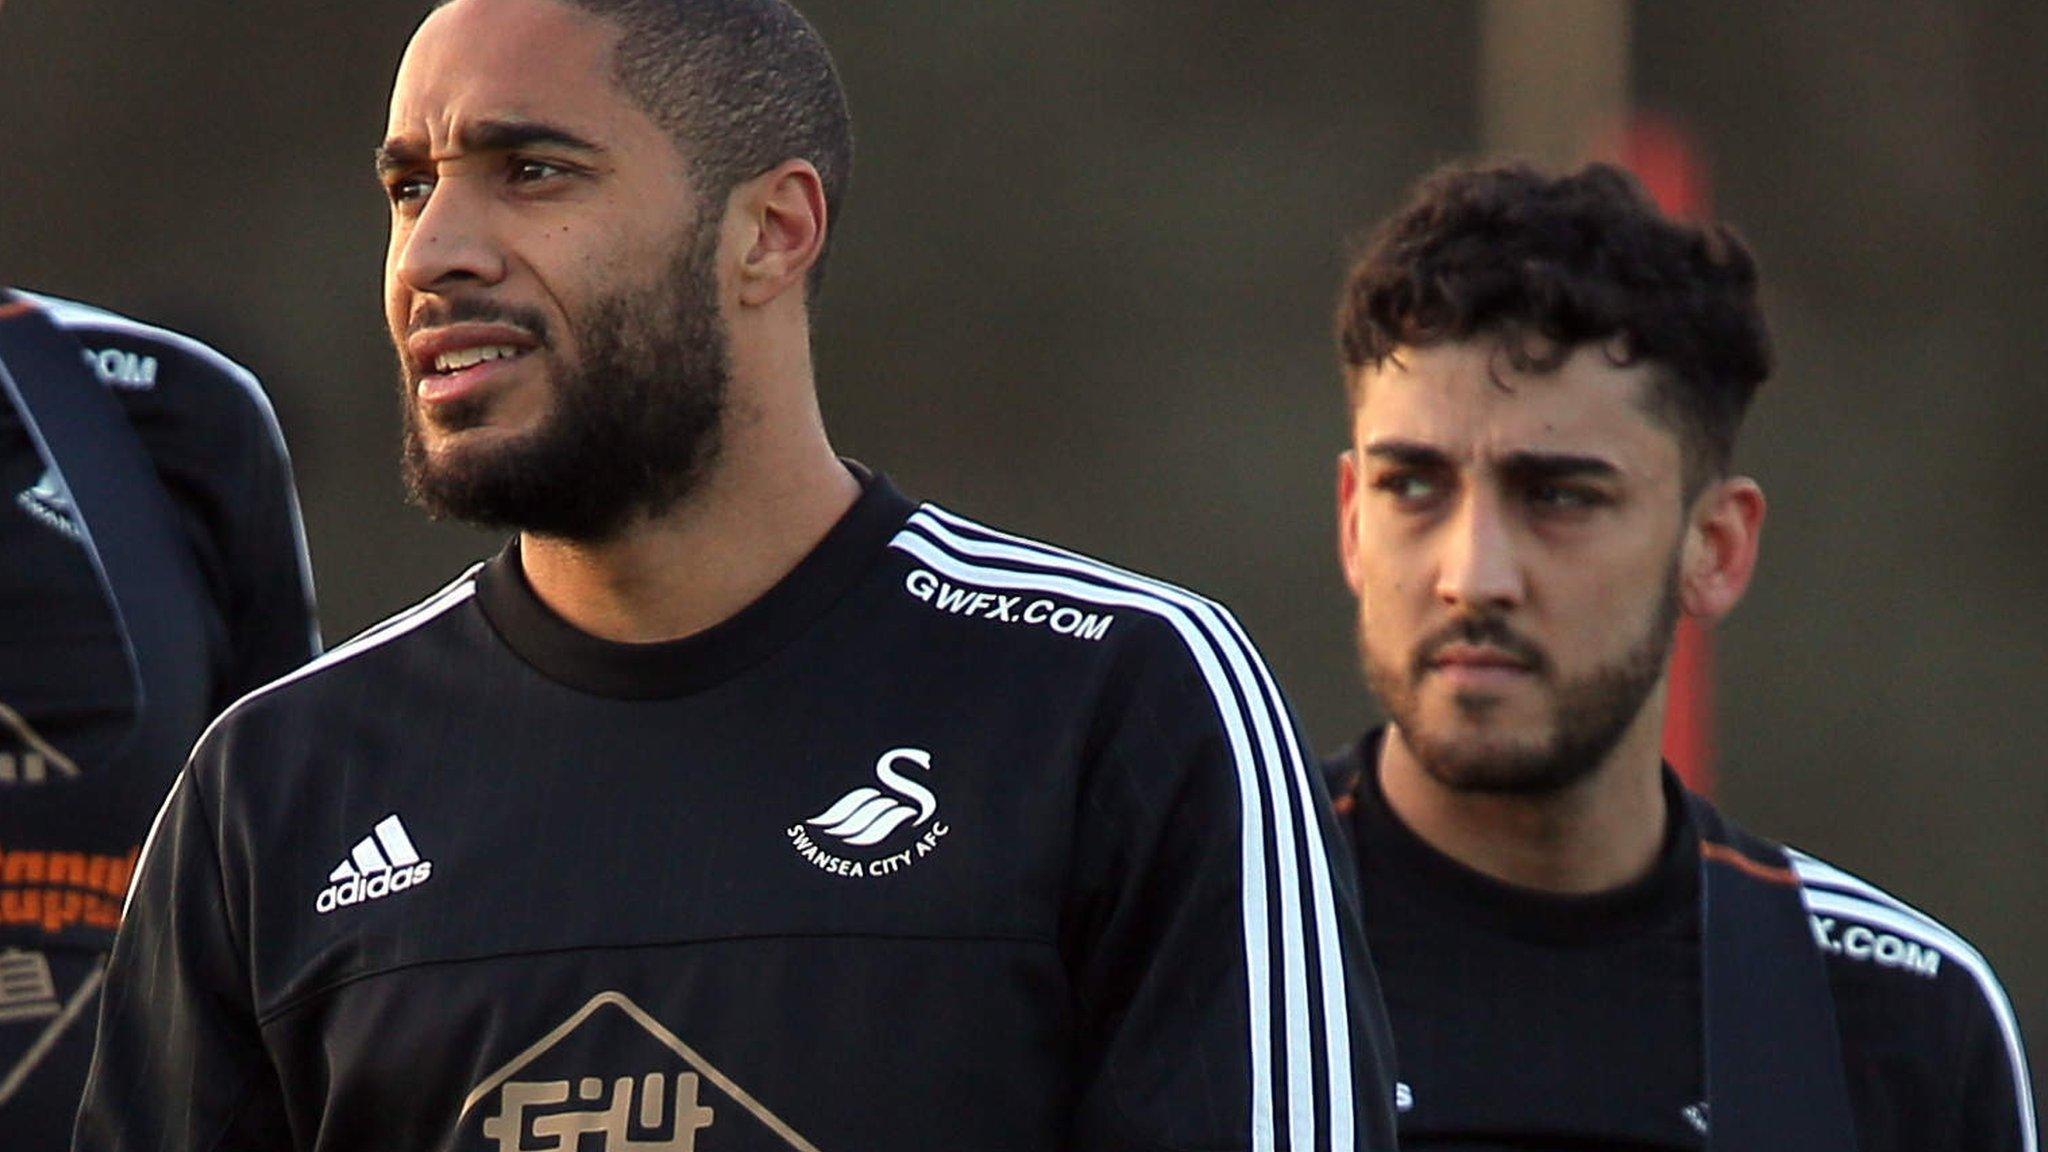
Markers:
1589,714
632,430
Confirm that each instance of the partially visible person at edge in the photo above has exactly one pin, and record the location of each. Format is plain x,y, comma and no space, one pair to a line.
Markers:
81,773
739,802
1545,379
86,754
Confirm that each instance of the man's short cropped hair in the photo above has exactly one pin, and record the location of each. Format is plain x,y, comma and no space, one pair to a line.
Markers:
742,85
1548,263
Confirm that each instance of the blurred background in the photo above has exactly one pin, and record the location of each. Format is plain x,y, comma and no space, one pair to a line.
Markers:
1084,286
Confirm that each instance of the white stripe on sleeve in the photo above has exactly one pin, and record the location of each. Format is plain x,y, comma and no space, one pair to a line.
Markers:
1266,748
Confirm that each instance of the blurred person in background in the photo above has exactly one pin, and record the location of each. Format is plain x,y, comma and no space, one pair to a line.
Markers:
739,802
152,569
1545,378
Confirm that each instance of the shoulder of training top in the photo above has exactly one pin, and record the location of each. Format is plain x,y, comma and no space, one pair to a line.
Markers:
452,595
1859,927
1196,644
973,567
131,356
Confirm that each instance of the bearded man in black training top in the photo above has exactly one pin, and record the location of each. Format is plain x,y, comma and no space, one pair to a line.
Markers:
1545,379
740,803
153,569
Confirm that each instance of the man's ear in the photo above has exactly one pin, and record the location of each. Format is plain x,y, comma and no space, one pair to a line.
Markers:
1348,481
781,218
1721,539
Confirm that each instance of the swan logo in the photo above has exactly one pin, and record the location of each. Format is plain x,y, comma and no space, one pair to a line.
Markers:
1699,1116
868,818
49,503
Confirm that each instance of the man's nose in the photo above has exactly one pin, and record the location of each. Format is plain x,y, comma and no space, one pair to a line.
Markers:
450,242
1480,568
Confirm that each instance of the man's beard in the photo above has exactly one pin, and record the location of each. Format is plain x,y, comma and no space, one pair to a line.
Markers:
1589,714
632,430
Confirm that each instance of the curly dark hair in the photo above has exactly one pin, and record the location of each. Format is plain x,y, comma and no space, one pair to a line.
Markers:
1549,263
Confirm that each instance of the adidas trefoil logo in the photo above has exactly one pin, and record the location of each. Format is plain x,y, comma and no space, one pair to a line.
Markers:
382,863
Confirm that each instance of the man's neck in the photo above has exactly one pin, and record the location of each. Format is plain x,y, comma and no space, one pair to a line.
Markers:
1600,834
766,504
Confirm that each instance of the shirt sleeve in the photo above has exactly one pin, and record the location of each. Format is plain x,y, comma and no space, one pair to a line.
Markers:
1226,997
269,613
1996,1099
179,1063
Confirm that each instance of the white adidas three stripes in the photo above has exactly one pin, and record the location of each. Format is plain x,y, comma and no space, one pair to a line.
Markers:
386,847
1269,763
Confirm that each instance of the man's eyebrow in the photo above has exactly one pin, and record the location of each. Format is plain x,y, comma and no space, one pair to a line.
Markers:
397,153
1524,464
1556,465
486,136
510,135
1409,453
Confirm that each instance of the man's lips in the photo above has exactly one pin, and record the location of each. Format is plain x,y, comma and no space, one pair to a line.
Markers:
1477,665
1476,656
454,361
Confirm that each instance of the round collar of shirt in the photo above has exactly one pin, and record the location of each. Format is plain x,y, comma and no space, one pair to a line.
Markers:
570,656
1668,897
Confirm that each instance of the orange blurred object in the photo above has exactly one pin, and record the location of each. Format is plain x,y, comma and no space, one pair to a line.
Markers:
1664,157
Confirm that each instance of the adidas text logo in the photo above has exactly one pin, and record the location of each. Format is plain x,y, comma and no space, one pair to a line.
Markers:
380,864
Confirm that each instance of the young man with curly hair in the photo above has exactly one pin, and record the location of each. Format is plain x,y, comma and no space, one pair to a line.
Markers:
1546,376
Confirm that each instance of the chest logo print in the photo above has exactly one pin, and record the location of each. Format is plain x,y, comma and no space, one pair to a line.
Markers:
27,989
382,863
661,1095
49,503
868,818
27,758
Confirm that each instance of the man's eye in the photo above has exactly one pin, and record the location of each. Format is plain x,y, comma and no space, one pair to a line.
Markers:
1407,487
405,190
1565,497
531,171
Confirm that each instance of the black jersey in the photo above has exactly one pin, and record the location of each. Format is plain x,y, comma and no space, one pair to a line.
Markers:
79,780
1525,1020
210,432
951,841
